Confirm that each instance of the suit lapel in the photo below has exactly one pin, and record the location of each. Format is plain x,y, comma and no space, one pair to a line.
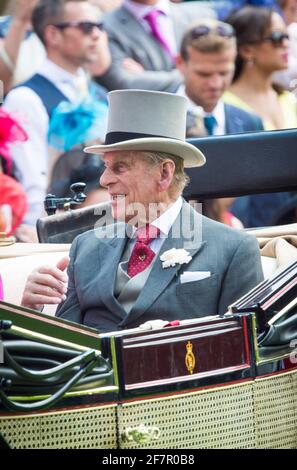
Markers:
180,236
159,59
234,124
110,253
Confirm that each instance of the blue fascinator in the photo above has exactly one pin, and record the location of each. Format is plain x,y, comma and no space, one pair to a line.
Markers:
74,124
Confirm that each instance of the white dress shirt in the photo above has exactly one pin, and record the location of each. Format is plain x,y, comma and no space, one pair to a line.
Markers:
25,68
165,22
31,158
164,224
218,112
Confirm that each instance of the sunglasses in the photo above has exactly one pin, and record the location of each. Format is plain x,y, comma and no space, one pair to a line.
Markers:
223,30
86,27
276,38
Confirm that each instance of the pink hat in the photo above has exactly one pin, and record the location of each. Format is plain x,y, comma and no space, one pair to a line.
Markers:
1,289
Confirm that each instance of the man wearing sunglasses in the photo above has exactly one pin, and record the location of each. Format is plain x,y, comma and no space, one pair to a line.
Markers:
73,39
144,37
206,62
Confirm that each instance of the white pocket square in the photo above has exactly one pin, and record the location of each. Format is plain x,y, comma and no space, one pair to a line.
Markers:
191,276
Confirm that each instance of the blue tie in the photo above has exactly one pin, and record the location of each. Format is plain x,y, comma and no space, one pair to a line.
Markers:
210,123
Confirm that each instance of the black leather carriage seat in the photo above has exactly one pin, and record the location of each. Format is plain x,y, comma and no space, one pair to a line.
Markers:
64,227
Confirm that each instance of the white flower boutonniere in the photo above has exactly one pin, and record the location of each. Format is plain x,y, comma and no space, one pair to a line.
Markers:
174,256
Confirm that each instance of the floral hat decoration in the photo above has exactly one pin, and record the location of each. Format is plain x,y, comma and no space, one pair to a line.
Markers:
10,132
74,124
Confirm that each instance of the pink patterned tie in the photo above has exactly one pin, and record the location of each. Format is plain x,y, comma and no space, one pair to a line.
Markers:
152,19
142,255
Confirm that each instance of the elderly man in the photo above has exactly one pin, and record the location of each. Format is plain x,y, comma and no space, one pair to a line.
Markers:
161,259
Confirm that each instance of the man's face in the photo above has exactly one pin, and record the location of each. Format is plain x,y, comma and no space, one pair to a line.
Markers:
74,45
207,75
132,183
290,11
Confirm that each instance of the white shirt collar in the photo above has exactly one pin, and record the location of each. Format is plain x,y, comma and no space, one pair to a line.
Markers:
218,112
139,10
57,74
73,86
165,221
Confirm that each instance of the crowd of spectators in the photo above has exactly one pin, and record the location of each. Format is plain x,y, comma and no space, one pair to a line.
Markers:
235,62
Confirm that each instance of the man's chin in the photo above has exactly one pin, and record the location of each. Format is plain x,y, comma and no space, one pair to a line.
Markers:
118,215
212,101
133,214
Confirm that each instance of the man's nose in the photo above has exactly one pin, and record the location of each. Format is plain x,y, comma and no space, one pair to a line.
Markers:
106,178
216,81
95,33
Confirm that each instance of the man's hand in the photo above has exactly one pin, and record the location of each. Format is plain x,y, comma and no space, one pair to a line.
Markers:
132,66
26,234
46,285
23,10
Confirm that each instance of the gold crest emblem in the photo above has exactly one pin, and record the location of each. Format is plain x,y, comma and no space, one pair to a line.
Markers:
190,358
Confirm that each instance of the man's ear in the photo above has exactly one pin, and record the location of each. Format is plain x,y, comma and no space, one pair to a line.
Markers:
167,169
52,36
180,63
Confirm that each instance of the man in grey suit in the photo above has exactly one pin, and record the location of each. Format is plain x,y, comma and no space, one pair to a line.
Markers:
143,48
161,259
207,63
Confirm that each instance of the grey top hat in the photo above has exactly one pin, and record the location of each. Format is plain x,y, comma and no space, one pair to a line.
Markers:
148,121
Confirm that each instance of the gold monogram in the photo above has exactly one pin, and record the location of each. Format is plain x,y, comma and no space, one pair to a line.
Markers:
190,358
142,258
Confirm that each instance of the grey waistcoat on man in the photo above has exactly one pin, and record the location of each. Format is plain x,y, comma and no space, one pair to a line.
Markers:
128,289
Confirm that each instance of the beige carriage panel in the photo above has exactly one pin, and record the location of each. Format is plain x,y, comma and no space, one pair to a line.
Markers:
14,273
255,414
221,418
278,247
92,428
16,250
276,412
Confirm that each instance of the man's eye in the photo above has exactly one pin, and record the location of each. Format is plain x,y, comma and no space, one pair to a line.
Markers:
119,168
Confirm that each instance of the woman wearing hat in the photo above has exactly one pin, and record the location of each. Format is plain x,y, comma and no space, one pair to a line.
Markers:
13,200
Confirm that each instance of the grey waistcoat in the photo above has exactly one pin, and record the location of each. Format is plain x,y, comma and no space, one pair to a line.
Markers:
126,289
